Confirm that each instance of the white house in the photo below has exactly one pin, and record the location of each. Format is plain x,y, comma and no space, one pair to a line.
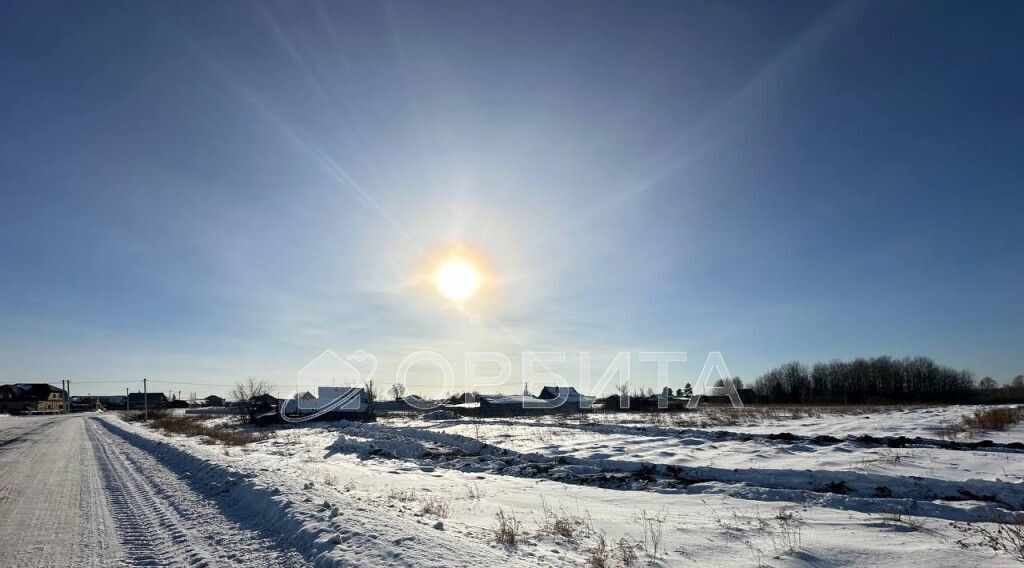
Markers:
332,399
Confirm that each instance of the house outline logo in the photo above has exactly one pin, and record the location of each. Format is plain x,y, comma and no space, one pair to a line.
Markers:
351,376
331,369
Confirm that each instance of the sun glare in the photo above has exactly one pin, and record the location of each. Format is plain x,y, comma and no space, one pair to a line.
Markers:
457,279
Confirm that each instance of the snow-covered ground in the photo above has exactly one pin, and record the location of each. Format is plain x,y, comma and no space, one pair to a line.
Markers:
767,489
796,443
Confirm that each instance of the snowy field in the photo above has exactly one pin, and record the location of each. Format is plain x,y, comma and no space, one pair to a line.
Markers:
780,488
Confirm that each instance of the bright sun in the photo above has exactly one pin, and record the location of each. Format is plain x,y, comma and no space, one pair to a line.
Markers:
457,279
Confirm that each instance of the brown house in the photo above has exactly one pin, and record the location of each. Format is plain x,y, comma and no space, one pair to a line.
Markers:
85,404
213,400
152,401
31,397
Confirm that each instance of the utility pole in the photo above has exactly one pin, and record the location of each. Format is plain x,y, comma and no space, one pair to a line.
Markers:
126,399
63,394
145,400
67,405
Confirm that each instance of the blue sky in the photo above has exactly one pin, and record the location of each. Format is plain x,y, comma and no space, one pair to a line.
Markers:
200,192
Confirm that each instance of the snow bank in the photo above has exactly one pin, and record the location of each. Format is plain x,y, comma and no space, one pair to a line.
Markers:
328,531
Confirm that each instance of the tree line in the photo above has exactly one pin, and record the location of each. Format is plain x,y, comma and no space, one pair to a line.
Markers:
878,380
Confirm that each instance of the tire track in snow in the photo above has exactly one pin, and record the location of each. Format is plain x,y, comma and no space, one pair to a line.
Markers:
359,536
163,522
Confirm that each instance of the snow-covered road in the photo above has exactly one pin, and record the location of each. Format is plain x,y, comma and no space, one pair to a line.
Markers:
52,503
73,494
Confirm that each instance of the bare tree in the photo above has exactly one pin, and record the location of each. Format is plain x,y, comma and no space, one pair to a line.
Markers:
623,390
372,393
397,390
249,388
988,383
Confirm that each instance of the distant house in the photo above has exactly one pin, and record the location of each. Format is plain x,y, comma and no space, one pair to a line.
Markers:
115,402
263,409
334,399
568,394
264,399
351,403
515,405
344,399
85,404
551,400
153,400
7,394
31,397
656,401
409,403
512,401
213,400
306,401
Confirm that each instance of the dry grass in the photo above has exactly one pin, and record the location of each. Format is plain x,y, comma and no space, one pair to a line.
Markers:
403,495
970,425
779,532
1007,537
474,493
652,526
195,426
626,551
435,506
897,518
509,529
567,525
884,456
785,533
993,418
599,555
